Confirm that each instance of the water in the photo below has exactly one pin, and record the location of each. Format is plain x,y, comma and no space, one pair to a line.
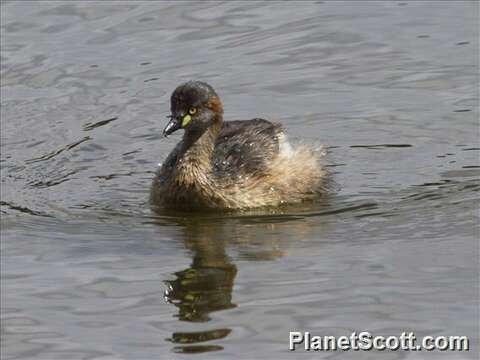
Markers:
90,272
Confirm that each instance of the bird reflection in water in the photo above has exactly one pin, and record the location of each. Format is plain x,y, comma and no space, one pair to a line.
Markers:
206,285
201,289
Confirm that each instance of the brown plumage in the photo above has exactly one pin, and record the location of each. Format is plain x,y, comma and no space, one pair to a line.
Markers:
234,164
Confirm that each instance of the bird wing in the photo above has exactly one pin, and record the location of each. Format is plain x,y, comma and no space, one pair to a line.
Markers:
245,147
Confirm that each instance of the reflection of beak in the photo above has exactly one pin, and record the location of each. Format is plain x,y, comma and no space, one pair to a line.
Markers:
173,125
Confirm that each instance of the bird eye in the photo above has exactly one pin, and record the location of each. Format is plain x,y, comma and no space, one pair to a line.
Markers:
192,111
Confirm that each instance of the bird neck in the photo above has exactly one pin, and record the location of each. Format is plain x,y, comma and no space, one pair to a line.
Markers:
195,161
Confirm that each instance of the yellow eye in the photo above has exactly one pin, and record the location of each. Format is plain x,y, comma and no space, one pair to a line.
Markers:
192,111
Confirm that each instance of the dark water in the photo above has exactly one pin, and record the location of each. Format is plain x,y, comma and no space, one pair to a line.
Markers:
90,272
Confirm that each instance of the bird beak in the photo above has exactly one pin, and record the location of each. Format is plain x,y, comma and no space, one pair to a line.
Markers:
173,125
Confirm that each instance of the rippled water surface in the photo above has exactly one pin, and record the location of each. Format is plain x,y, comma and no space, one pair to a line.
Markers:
90,272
